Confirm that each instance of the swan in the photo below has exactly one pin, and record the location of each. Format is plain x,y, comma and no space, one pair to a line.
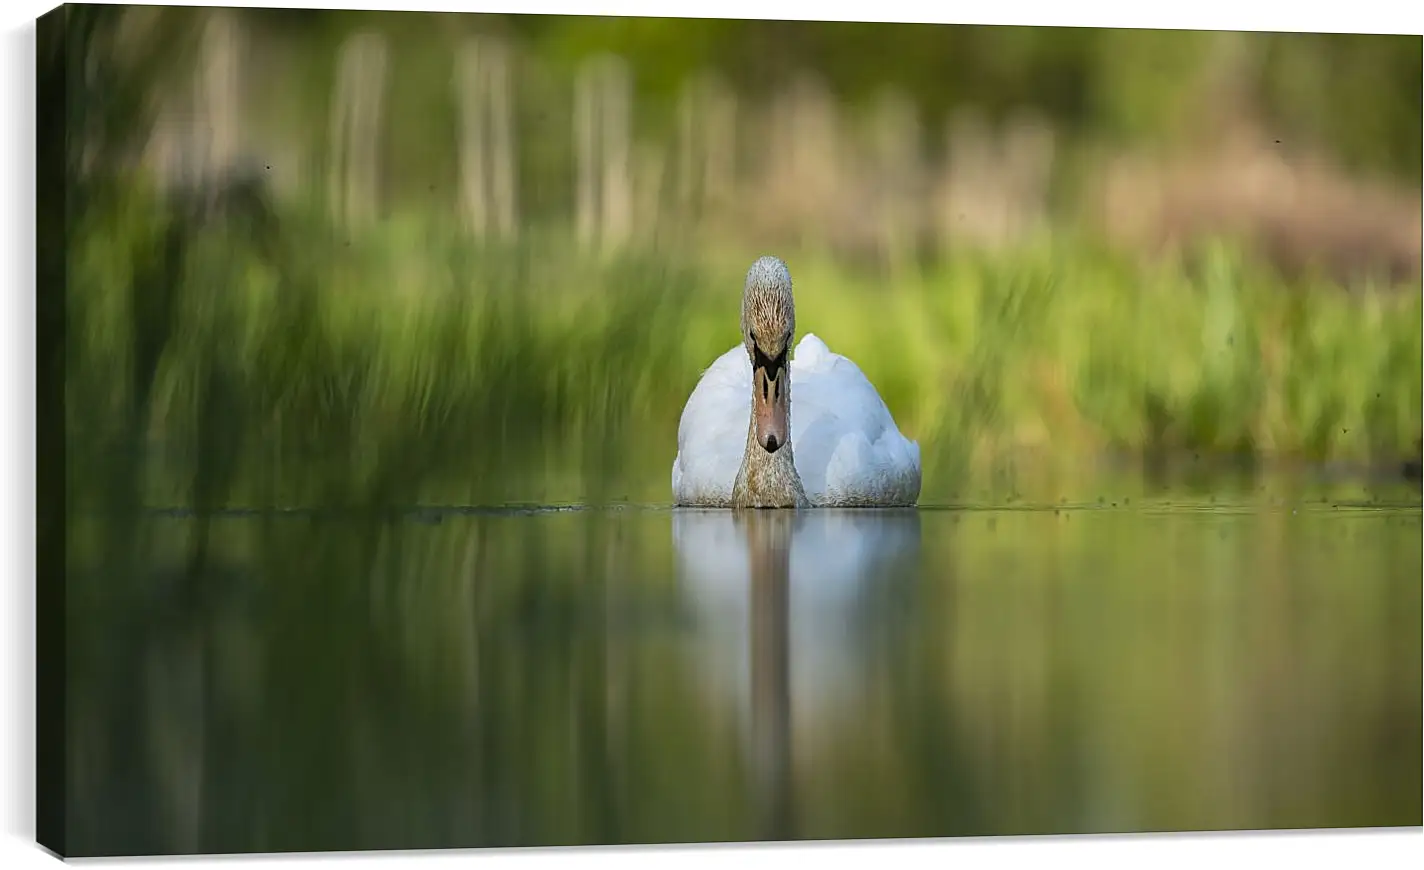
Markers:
840,447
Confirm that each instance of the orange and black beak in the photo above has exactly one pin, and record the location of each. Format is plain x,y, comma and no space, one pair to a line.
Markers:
770,400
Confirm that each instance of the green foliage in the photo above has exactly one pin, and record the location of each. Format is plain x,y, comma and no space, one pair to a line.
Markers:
1360,94
405,363
1356,96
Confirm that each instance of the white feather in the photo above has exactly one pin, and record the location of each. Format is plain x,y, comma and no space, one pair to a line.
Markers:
848,449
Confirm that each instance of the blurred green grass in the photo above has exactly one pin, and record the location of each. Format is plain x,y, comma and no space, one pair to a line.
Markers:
270,359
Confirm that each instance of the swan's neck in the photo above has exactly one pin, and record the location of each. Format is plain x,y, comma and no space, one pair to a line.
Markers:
768,480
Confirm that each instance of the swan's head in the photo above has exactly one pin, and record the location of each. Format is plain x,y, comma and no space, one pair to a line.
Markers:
768,325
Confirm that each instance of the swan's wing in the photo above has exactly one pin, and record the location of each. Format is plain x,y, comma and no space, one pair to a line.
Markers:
848,448
712,434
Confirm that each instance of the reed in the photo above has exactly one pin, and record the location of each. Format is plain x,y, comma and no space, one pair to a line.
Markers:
262,357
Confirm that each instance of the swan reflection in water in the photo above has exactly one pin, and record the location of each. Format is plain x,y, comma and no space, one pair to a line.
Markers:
788,604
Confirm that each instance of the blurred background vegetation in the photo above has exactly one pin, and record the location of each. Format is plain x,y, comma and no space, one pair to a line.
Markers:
345,260
345,257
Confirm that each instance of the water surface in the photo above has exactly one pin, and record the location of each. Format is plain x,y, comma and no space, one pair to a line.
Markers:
1185,658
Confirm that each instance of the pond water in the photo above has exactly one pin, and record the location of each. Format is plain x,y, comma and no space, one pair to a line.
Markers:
1204,658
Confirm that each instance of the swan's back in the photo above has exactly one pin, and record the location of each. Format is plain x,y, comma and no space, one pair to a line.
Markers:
848,450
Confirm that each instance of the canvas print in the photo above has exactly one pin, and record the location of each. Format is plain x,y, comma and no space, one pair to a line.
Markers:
474,430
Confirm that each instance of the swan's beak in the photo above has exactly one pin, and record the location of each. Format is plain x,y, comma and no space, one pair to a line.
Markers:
773,428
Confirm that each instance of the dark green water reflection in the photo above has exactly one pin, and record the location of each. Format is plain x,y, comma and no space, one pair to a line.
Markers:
447,678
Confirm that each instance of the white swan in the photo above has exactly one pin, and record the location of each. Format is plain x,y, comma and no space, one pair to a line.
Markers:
843,449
